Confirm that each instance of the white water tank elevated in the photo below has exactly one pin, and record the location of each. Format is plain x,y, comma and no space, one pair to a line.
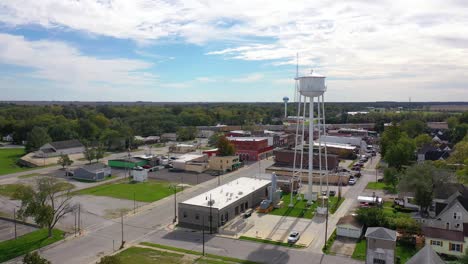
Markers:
312,85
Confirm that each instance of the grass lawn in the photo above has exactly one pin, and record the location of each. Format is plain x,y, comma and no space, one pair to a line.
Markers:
8,189
13,248
380,186
300,209
272,242
209,258
330,242
8,158
403,251
149,191
334,204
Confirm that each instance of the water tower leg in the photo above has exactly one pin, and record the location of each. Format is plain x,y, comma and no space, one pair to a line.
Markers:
311,150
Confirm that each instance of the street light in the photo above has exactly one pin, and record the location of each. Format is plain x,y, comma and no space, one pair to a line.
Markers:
175,204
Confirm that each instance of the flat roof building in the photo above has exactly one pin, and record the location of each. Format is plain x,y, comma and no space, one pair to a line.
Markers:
227,201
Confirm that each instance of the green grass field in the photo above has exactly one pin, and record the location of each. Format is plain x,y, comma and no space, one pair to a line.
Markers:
300,209
149,191
8,158
403,251
8,189
13,248
380,186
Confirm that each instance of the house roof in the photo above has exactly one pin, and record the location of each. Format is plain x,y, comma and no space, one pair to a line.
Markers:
445,234
426,148
349,220
94,167
448,189
381,233
66,144
453,201
427,256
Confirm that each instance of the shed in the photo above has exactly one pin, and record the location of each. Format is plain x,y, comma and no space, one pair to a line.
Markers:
92,172
139,174
349,226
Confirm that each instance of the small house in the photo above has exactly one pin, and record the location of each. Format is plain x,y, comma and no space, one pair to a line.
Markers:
381,244
139,174
349,226
92,172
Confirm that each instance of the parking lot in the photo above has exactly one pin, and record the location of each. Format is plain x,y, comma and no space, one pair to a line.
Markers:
191,178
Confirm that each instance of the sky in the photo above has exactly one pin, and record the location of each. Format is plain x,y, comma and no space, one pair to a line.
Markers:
224,50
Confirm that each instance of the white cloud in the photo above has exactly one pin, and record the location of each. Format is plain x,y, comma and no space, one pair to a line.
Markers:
205,79
249,78
374,44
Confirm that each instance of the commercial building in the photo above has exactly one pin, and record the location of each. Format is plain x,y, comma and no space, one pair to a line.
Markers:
251,148
215,208
92,172
191,162
182,148
344,151
285,158
354,141
58,148
226,163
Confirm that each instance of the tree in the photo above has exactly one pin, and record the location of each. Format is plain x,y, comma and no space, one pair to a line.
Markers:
372,216
391,177
422,140
413,127
99,152
389,137
64,161
422,179
213,140
110,260
46,203
400,152
225,147
36,138
186,133
89,154
460,152
452,122
34,258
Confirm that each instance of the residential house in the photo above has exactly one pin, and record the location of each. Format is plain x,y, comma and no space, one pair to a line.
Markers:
349,226
381,245
58,148
430,152
92,172
8,138
425,255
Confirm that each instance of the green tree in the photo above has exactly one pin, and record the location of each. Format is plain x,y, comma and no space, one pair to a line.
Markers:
390,177
413,127
389,137
110,260
89,153
422,140
213,140
400,152
452,122
46,203
64,161
460,152
34,258
225,147
36,138
459,132
422,179
99,152
372,216
186,133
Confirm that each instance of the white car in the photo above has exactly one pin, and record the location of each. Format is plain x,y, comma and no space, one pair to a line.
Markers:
293,237
352,181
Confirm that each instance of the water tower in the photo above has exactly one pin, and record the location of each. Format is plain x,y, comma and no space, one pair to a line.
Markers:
311,89
285,100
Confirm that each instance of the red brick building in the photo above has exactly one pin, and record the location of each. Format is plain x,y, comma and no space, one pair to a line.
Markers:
251,148
285,158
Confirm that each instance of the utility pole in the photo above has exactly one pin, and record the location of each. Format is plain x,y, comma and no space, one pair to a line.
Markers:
175,204
211,216
79,219
134,203
326,225
203,235
14,218
74,213
122,227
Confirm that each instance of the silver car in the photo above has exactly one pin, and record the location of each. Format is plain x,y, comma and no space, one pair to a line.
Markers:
293,237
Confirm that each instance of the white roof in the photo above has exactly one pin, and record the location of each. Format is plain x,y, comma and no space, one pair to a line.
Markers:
335,145
188,157
247,138
228,193
184,145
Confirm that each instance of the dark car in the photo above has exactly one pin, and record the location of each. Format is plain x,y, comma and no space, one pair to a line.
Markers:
356,168
357,174
248,213
332,193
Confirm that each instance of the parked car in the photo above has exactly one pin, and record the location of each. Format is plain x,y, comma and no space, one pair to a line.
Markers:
357,174
248,213
147,167
356,168
352,181
324,193
293,237
168,166
332,193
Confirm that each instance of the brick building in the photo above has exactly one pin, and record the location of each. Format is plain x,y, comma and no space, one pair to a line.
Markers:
251,148
285,158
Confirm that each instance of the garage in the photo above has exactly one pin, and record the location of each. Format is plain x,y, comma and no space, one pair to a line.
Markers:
349,226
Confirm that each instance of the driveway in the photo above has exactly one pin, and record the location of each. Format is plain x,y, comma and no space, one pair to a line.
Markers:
343,246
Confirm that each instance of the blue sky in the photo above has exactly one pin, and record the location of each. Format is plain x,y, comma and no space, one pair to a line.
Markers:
194,50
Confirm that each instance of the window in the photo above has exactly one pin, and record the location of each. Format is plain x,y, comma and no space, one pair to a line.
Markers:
379,261
185,214
197,216
436,243
456,247
447,225
457,215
